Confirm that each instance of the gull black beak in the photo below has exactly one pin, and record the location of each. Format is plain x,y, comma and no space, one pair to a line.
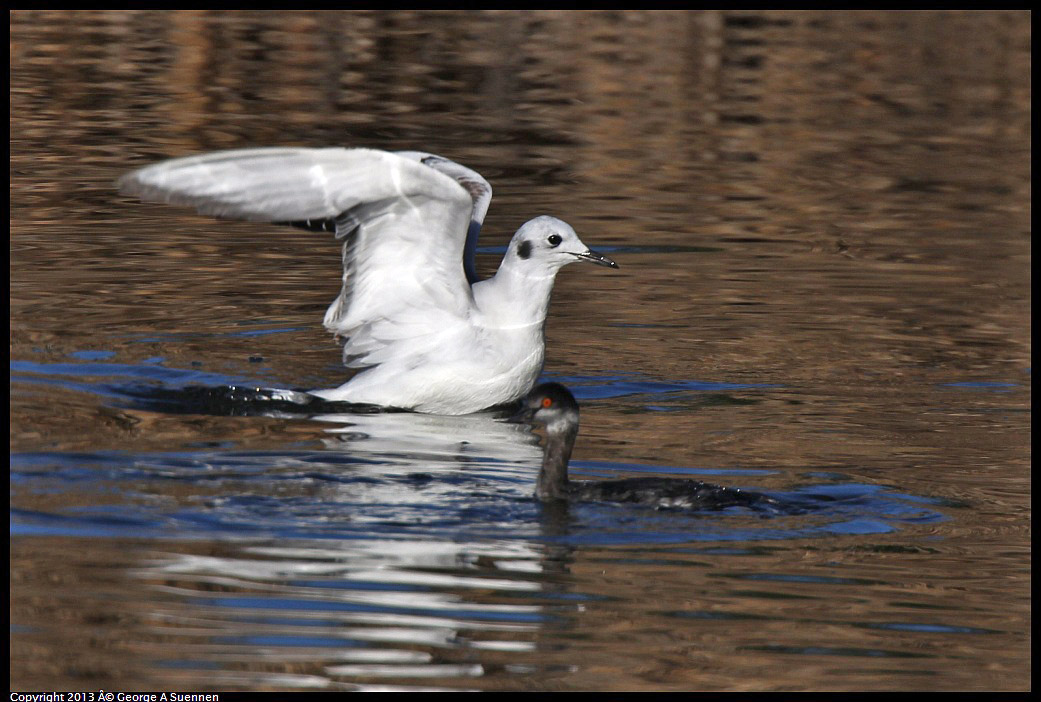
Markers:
597,258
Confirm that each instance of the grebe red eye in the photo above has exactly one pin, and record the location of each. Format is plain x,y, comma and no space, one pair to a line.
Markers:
547,402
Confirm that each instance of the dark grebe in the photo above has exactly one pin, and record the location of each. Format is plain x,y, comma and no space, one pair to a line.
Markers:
553,405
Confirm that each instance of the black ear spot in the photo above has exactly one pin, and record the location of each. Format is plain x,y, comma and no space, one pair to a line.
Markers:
554,240
524,249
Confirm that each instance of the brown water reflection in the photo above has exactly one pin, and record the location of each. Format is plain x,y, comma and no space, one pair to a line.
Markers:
832,205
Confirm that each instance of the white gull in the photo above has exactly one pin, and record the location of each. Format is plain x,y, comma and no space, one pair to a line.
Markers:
427,334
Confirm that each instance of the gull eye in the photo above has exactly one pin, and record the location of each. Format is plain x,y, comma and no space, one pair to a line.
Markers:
546,401
554,240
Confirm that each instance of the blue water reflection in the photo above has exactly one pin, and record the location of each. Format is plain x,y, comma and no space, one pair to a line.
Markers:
387,545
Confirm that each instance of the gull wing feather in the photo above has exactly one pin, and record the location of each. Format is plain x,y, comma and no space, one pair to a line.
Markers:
404,218
480,191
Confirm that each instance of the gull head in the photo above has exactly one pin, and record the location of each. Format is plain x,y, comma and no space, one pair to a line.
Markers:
547,242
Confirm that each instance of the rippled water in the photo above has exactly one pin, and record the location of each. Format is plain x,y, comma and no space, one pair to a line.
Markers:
823,227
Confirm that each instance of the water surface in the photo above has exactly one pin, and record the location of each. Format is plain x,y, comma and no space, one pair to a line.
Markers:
823,227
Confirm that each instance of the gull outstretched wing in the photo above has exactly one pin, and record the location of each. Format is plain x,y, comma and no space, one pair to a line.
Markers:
409,222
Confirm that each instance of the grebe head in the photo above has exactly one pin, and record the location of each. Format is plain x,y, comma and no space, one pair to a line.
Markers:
551,405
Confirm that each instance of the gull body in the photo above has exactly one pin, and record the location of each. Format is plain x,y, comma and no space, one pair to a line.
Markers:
553,406
425,333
